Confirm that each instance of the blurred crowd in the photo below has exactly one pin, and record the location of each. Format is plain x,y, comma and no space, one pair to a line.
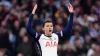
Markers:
84,39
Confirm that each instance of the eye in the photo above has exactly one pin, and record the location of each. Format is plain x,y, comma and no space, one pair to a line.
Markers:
47,26
51,26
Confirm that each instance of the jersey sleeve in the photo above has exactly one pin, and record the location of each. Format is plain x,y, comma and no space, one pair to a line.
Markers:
29,29
66,31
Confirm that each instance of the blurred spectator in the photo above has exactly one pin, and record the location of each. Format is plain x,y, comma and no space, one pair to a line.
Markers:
92,17
4,39
76,36
16,28
95,50
20,54
51,8
6,3
69,50
36,20
12,41
80,50
84,20
11,18
1,15
87,43
44,15
23,17
60,50
21,35
77,27
94,31
59,25
25,47
98,8
98,39
76,3
38,29
91,51
60,13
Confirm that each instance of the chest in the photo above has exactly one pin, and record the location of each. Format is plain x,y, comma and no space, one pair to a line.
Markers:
48,41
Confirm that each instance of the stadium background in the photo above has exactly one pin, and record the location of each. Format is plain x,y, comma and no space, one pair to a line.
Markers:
85,36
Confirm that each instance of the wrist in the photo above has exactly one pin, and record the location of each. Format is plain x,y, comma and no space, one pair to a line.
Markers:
33,12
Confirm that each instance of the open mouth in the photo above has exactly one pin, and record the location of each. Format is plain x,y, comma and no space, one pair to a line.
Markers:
50,30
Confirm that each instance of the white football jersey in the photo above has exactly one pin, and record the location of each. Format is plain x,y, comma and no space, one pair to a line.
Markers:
48,45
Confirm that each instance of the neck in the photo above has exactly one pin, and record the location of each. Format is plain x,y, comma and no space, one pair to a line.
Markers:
49,35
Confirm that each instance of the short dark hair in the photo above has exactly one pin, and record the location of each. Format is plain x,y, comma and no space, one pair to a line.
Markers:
47,21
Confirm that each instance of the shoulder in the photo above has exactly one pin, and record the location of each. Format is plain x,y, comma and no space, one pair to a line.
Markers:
41,35
72,37
90,52
54,34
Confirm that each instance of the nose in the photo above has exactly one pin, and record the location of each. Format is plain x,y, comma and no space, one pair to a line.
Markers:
49,28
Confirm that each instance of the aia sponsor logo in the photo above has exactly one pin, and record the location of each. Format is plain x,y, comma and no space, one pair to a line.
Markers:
51,44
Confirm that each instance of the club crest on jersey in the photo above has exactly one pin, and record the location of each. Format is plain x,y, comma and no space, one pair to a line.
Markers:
51,39
51,44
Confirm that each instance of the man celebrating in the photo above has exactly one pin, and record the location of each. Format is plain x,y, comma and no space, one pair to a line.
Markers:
48,41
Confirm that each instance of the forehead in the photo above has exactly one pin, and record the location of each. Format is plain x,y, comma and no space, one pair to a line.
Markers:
48,23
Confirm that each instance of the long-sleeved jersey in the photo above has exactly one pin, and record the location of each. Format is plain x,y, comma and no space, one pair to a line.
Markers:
48,44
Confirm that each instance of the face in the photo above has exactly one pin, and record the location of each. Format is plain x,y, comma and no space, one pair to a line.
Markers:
22,32
48,28
78,43
97,48
87,38
25,39
96,26
77,34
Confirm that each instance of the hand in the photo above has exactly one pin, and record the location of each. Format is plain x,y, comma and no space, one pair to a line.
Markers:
70,8
34,9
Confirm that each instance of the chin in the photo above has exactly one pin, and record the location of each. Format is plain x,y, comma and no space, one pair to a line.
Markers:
50,33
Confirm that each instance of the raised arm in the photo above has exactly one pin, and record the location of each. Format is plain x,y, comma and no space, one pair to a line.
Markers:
29,25
67,29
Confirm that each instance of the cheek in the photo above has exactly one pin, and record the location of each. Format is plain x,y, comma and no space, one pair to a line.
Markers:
45,28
